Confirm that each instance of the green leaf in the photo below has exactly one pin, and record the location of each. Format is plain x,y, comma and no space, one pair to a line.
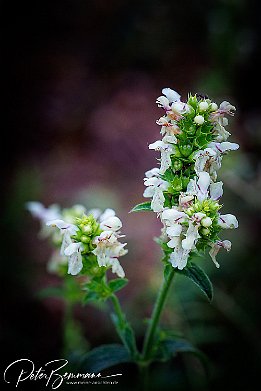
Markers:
170,347
117,284
145,206
103,357
199,277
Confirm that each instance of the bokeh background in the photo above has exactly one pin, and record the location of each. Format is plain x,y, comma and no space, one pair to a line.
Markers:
82,78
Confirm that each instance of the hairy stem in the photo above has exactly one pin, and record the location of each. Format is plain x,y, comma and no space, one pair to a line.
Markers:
159,305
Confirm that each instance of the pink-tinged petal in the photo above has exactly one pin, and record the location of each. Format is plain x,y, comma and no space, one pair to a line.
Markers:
227,221
215,247
226,108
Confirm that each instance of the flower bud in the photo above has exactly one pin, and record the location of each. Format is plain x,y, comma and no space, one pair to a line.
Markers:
199,119
85,239
206,222
203,106
87,228
213,106
186,149
205,231
177,165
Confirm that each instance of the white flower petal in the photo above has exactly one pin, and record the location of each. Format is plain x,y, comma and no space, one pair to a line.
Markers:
228,221
174,230
112,223
191,237
106,214
171,95
202,185
72,248
216,190
75,263
157,203
153,172
162,101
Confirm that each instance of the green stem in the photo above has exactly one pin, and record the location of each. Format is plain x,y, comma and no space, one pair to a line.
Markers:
150,334
124,329
118,310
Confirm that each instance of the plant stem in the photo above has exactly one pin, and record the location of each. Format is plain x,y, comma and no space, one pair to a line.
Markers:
118,310
157,310
124,329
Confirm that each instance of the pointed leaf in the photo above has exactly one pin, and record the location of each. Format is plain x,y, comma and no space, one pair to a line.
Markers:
145,206
199,277
117,284
171,347
103,357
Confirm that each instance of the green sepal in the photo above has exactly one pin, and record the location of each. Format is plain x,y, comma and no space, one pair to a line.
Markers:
91,297
103,357
143,207
199,277
117,284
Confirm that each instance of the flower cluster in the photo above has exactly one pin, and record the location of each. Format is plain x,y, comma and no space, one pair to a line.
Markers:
184,190
87,240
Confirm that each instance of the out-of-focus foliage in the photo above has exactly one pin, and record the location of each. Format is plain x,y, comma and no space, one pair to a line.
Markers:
82,79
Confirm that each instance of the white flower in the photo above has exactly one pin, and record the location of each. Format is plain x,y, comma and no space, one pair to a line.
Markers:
44,214
223,147
219,120
155,188
69,248
169,129
166,151
210,159
226,108
182,238
108,250
203,188
207,160
66,229
171,95
215,247
179,108
73,252
227,221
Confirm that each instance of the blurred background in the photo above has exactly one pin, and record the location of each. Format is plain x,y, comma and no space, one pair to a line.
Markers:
81,82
